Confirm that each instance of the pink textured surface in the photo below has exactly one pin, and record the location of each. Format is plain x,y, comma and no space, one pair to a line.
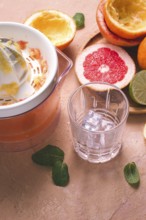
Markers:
95,192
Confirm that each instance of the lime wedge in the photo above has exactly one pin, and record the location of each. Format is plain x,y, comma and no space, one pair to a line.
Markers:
137,88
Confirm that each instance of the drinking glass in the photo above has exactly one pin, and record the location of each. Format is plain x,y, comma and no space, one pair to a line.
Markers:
98,113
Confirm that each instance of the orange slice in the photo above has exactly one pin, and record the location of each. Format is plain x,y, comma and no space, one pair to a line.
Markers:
126,18
59,27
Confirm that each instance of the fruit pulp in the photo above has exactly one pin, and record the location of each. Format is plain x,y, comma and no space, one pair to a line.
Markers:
104,65
105,62
124,13
125,18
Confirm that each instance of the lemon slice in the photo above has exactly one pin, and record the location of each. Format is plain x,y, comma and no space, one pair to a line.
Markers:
137,88
144,131
126,18
57,26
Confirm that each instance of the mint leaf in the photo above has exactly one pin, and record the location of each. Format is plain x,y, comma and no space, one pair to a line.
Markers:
79,19
48,155
53,156
131,174
60,174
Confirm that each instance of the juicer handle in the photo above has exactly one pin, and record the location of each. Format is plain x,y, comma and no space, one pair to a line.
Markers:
64,65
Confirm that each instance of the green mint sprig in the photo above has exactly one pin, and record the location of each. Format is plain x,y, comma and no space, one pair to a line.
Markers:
60,174
131,174
53,157
79,19
48,155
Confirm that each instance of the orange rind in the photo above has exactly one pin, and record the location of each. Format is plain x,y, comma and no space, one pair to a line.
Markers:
59,27
141,54
126,18
108,34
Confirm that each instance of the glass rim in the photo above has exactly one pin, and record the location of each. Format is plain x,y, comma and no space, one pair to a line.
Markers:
101,83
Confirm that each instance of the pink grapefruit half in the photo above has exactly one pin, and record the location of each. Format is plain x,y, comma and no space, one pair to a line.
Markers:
105,62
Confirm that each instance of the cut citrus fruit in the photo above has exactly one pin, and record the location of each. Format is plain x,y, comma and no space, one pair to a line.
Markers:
141,54
126,18
106,63
137,88
57,26
108,34
144,131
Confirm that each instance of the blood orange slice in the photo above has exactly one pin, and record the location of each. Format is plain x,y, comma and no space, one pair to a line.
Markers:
105,63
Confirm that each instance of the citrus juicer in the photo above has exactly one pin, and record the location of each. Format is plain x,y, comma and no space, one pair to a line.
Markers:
17,71
29,123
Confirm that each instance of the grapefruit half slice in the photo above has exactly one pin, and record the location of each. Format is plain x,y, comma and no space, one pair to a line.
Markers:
105,63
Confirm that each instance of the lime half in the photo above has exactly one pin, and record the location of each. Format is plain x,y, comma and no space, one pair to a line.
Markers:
137,88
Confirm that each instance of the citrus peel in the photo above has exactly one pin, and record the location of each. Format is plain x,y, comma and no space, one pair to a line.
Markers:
108,34
137,88
141,54
144,131
126,18
59,27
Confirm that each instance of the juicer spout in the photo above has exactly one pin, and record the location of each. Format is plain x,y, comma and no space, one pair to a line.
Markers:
65,64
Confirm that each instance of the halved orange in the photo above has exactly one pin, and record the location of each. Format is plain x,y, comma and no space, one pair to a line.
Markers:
59,27
108,34
126,18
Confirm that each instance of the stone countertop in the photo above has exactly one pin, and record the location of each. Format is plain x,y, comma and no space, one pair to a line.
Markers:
95,191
